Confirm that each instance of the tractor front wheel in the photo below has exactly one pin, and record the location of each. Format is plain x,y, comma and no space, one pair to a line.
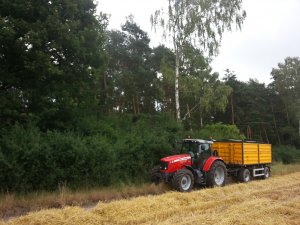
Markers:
183,180
217,174
154,174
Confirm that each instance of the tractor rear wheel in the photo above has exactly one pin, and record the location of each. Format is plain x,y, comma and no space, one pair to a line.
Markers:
183,180
244,175
217,174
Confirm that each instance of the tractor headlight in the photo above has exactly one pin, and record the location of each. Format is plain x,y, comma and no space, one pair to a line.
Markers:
163,165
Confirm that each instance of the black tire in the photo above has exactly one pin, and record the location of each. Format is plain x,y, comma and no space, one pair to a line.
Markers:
154,174
216,177
244,175
183,180
267,173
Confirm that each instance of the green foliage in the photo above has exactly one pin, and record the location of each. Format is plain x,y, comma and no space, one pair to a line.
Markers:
130,84
101,152
266,113
51,54
201,90
287,84
116,149
285,154
197,24
218,131
32,159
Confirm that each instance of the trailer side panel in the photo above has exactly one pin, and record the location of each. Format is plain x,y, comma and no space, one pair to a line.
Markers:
243,153
265,154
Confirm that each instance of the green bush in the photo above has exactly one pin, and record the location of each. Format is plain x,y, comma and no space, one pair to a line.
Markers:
100,152
285,154
19,163
218,131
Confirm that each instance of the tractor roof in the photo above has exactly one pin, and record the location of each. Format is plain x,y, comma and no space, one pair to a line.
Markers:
200,141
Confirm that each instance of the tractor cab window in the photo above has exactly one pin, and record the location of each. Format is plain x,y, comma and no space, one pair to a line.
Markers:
195,148
190,147
204,148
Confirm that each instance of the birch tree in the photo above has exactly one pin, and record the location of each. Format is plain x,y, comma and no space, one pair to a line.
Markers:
200,23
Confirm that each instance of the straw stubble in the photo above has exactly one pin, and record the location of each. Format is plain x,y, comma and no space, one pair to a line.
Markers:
272,201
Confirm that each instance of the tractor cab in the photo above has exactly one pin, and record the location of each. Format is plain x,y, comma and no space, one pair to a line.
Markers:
200,151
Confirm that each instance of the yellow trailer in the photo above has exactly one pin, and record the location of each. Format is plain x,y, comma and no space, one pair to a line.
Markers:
243,153
244,159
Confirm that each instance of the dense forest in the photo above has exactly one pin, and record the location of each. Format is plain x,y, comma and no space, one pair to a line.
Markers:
86,106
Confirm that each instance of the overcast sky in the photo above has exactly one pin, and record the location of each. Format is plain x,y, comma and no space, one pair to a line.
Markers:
270,33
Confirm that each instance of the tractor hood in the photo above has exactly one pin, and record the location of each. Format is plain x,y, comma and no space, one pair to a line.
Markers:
175,162
176,158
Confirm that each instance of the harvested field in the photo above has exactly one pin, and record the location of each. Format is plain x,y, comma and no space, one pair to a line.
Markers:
273,201
13,205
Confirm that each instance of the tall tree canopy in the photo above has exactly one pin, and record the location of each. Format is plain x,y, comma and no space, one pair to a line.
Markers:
130,81
199,23
201,90
51,54
287,84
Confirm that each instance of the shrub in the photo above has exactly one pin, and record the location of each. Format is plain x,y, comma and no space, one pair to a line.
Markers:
100,152
286,154
218,131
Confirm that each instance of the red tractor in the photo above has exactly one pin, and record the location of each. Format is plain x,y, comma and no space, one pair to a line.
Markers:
196,164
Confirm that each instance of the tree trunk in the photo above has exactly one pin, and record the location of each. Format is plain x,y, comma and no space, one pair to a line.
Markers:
287,115
133,106
232,110
137,104
201,121
177,88
249,133
275,124
266,135
188,110
106,92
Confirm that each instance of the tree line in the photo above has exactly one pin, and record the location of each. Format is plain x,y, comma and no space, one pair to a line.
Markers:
72,90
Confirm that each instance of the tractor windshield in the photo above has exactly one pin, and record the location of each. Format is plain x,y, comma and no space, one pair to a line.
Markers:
189,146
195,148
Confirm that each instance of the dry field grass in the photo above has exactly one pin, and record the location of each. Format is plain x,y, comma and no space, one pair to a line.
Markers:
272,201
13,205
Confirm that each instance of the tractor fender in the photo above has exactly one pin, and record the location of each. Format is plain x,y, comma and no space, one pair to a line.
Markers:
208,163
197,173
188,167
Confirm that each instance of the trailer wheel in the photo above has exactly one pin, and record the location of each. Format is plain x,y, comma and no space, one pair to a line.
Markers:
267,173
183,180
244,175
216,177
